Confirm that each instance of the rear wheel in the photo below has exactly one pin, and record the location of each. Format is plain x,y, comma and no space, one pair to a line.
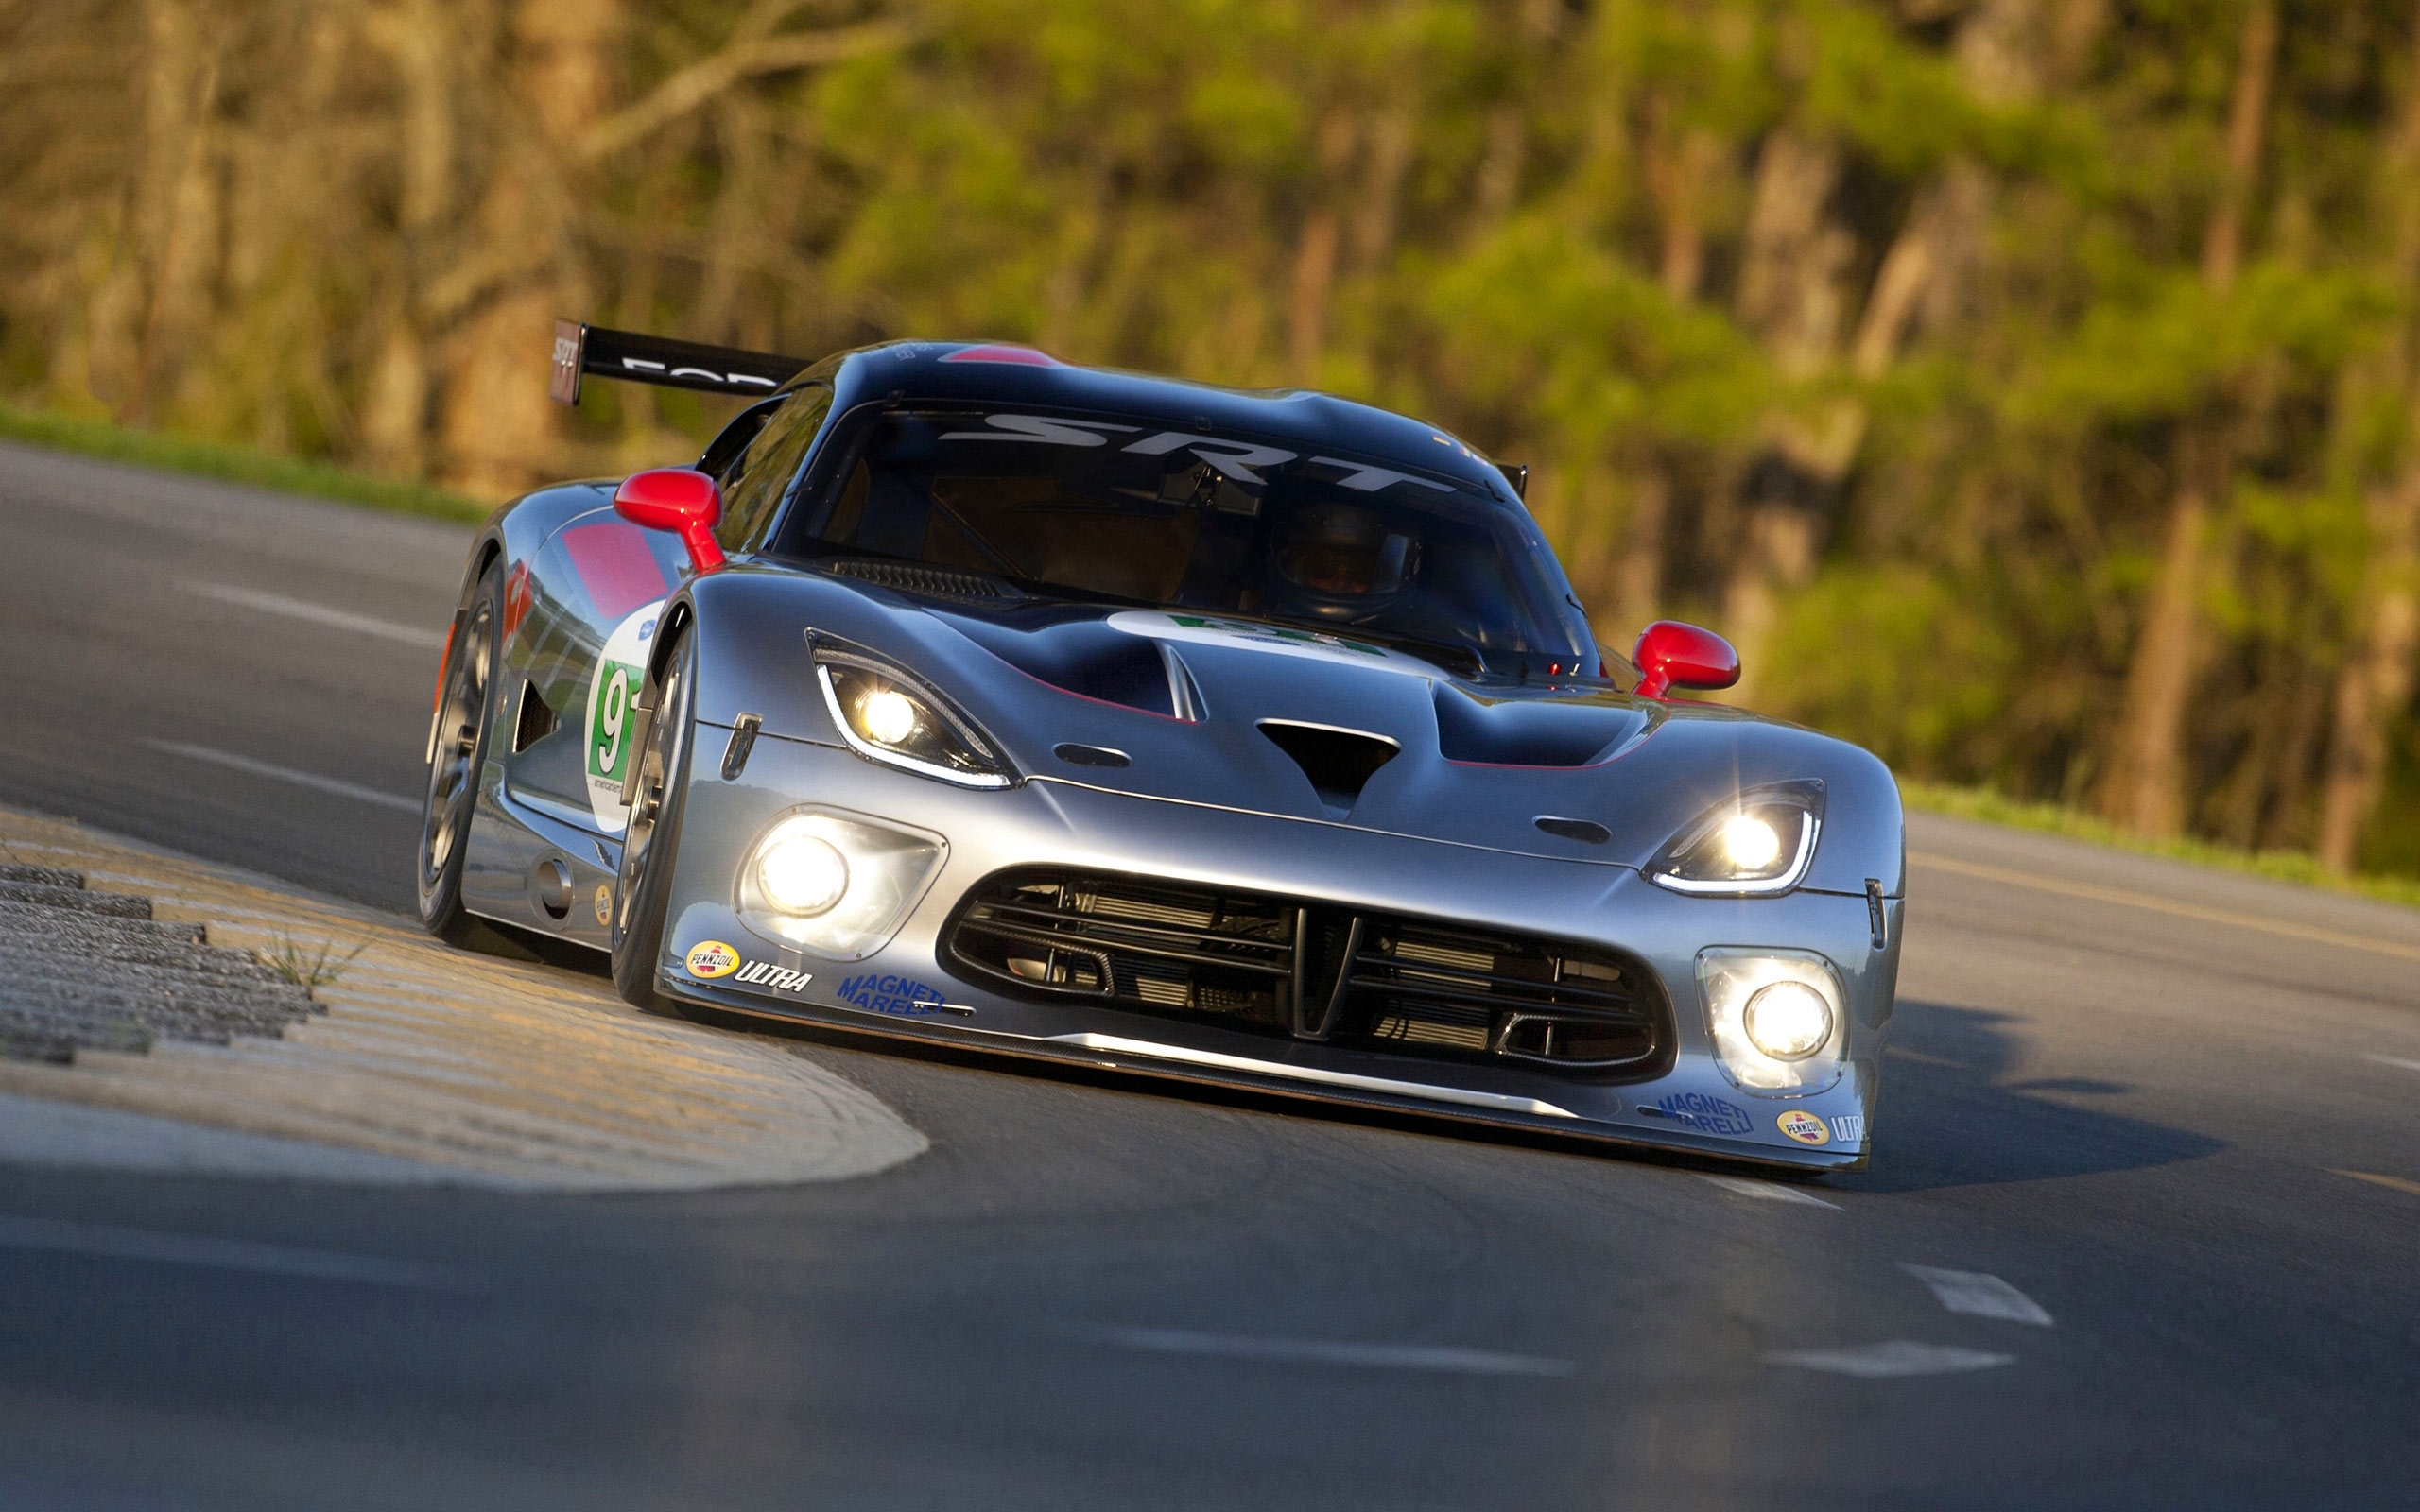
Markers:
641,892
465,699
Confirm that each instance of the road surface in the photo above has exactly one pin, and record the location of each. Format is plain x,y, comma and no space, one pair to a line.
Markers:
2141,1232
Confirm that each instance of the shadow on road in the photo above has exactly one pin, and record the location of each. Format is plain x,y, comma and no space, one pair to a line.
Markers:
1948,1119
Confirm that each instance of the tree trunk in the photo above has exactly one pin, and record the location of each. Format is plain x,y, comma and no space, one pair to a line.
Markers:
2374,684
500,428
2146,788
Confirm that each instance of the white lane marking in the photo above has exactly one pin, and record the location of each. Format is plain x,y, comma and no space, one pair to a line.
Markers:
1769,1190
295,609
286,774
1979,1295
1900,1357
224,1254
1330,1351
2394,1060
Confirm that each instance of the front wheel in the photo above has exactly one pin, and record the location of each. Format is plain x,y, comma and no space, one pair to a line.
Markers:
458,749
643,889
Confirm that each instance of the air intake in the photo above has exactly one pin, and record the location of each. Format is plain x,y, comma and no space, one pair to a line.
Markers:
1339,763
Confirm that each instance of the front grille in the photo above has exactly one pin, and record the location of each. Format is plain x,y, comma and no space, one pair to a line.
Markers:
1311,971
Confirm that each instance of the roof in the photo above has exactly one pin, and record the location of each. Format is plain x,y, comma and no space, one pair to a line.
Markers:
993,372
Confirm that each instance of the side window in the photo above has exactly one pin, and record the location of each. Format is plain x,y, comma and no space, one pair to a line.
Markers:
770,463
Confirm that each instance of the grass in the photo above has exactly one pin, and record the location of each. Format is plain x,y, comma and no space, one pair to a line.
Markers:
232,464
305,969
2282,866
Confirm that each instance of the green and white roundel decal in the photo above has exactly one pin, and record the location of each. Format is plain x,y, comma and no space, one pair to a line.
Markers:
613,694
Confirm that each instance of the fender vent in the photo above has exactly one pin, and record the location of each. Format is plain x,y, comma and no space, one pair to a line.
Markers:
1339,763
535,721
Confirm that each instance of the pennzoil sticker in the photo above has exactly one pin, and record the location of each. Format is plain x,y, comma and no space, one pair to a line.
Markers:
1803,1126
614,690
712,960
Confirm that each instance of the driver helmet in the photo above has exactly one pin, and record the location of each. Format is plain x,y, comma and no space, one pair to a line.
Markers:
1341,560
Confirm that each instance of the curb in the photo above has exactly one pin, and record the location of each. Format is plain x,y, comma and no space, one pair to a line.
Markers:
427,1063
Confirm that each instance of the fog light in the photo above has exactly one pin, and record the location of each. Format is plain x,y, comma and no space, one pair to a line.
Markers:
886,716
1787,1021
1778,1017
1751,844
834,885
801,875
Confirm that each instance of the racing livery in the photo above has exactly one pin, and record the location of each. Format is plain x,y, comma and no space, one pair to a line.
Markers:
963,696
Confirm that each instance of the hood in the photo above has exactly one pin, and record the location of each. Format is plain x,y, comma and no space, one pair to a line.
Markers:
1231,713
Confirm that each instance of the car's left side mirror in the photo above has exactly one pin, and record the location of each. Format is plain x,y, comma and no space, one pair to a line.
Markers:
1672,655
681,500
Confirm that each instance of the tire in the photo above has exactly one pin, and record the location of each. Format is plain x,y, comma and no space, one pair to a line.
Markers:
651,843
466,701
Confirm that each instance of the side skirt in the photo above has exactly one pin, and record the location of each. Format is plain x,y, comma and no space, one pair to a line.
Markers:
508,868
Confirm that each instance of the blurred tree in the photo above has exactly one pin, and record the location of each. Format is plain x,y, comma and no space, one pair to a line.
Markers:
2027,385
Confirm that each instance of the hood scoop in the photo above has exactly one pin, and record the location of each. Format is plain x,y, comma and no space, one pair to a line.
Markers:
1552,731
1339,763
1073,651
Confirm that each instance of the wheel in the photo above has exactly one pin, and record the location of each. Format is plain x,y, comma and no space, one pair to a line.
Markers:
643,889
465,710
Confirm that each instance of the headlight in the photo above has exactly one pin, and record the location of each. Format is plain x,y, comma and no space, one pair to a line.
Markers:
802,874
1787,1021
1776,1017
834,883
1760,843
887,717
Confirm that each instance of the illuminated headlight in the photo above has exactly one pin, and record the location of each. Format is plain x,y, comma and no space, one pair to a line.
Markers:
802,874
886,716
1777,1019
832,884
1761,843
1787,1021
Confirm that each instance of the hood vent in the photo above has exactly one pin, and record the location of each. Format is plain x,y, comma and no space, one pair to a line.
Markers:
929,582
1339,762
1568,730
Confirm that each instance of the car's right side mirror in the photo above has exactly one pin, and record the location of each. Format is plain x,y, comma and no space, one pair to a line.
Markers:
680,499
1672,655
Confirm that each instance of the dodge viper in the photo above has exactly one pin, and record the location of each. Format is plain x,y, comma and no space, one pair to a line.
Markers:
960,694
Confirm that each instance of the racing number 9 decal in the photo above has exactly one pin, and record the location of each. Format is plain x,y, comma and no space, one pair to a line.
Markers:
613,709
612,689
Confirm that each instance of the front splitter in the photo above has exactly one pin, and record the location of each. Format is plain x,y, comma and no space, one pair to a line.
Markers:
1134,1056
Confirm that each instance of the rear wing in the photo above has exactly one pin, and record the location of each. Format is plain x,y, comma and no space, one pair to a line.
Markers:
581,349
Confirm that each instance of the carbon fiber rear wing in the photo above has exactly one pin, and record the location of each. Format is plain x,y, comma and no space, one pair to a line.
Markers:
581,349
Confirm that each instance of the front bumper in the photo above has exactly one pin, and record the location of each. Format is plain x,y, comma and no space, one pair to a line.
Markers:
905,990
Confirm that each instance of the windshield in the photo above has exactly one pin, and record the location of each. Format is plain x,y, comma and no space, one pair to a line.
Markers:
1130,510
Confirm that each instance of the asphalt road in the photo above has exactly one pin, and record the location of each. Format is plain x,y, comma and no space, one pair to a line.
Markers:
2149,1143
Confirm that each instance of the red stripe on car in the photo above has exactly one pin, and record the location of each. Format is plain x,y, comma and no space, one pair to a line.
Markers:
616,567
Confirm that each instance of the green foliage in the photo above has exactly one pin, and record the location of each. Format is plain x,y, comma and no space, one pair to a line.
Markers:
232,464
1885,335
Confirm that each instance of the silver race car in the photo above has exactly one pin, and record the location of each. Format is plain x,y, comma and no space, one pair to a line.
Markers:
961,696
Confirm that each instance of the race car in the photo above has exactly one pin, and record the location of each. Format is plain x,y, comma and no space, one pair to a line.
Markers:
963,696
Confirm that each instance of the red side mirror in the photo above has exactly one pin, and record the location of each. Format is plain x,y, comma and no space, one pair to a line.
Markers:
681,500
1672,655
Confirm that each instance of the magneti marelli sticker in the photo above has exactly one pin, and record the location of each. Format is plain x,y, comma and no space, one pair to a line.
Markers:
613,692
